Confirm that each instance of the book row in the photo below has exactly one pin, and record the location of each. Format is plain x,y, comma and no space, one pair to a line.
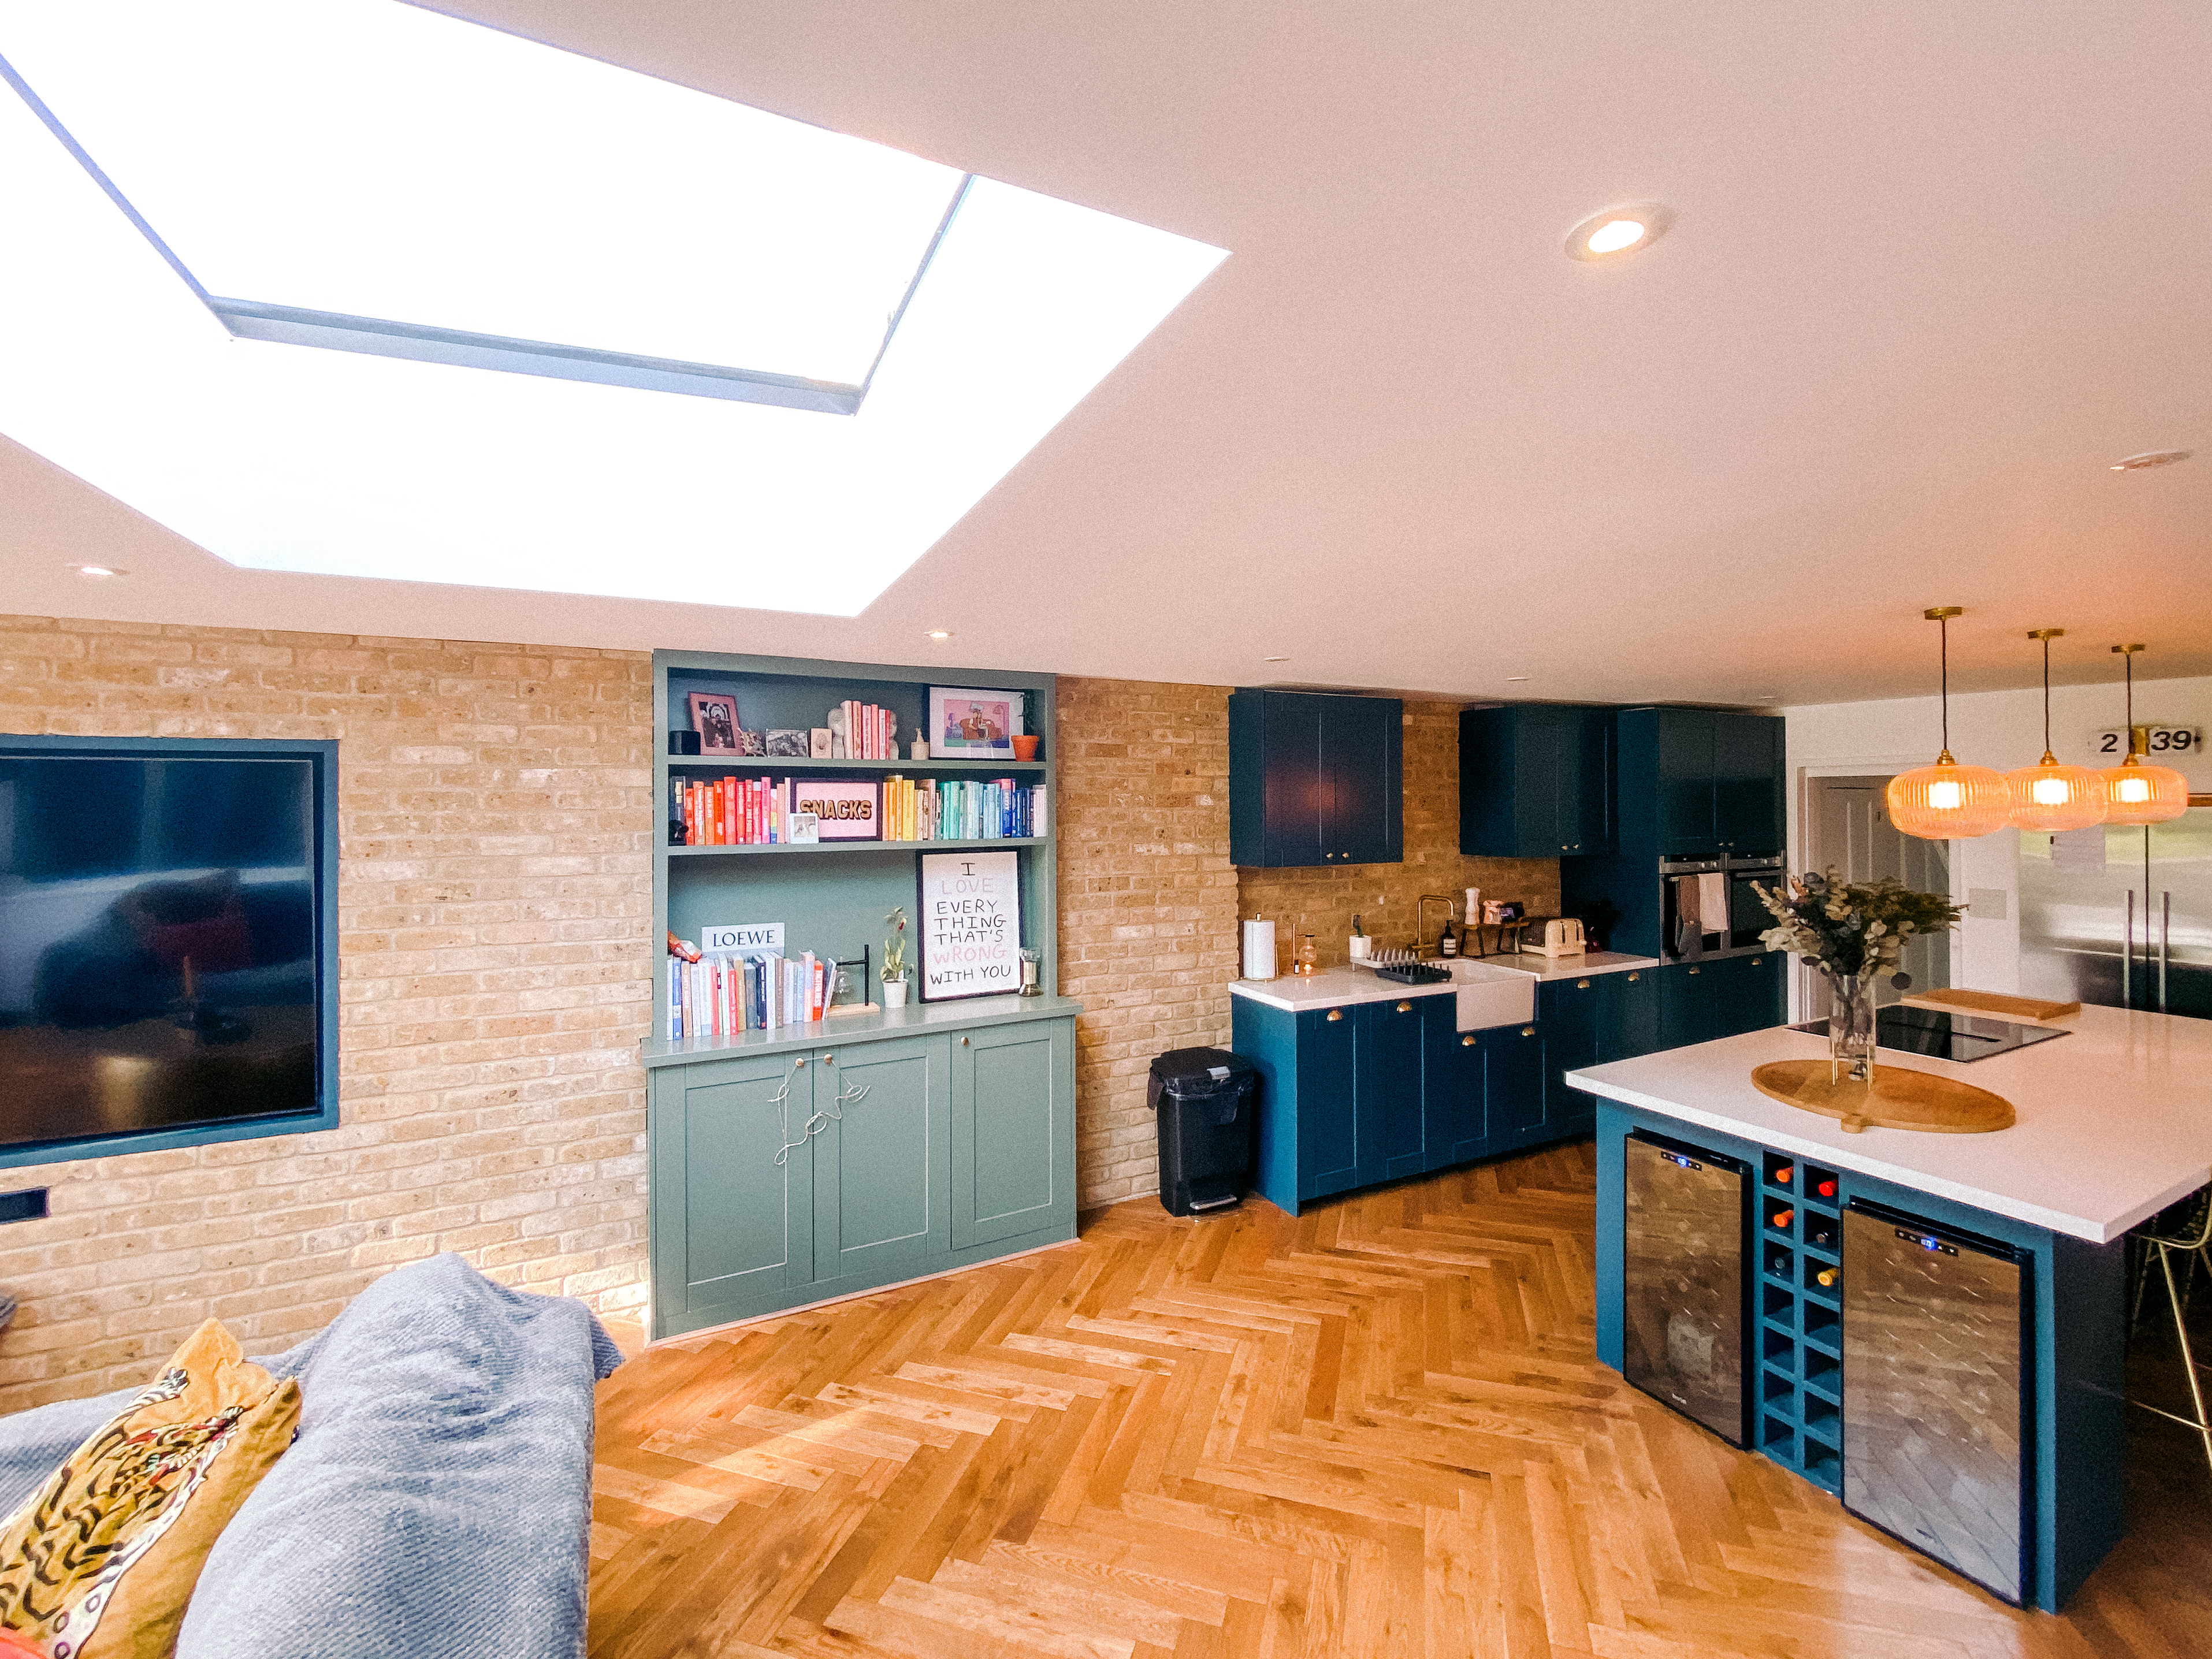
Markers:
722,995
733,812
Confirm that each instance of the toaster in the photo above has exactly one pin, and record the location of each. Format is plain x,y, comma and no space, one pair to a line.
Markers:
1555,935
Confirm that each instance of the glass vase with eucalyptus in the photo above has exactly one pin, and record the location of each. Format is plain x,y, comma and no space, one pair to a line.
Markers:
1855,933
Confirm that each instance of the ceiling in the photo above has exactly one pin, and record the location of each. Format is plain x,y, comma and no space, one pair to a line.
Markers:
1932,270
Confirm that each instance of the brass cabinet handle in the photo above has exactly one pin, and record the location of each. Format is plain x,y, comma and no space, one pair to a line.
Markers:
1528,1030
1468,1042
1405,1007
1693,971
1632,978
1581,985
1333,1013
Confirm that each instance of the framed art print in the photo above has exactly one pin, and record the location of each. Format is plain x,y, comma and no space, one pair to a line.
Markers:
971,925
843,811
971,725
714,718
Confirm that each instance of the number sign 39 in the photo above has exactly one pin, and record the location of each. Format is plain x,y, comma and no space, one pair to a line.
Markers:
2157,740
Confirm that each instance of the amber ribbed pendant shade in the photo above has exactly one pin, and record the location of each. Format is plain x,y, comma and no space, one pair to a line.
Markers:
2136,790
1948,801
2048,798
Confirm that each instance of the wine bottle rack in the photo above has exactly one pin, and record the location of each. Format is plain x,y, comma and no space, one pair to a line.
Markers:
1797,1243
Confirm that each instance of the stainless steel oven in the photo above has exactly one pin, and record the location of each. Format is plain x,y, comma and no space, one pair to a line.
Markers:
1708,908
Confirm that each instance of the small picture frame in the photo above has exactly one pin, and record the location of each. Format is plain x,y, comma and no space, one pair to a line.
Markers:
750,743
714,718
818,742
966,724
844,810
789,746
805,828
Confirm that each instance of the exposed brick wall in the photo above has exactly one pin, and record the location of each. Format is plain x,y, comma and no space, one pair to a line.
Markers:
495,805
1148,904
1385,895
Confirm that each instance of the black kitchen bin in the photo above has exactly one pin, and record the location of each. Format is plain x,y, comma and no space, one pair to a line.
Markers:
1206,1101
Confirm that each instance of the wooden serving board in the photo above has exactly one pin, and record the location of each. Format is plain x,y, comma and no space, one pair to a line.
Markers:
1994,1002
1901,1099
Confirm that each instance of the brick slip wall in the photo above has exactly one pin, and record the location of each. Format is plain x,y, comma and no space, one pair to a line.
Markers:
1385,895
1148,904
493,896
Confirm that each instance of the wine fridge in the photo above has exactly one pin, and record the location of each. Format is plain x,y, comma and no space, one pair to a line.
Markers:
1686,1286
1935,1419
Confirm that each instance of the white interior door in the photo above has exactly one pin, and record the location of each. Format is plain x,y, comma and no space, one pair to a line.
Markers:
1851,832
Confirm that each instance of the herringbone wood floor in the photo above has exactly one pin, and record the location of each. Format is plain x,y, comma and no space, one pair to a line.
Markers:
1378,1429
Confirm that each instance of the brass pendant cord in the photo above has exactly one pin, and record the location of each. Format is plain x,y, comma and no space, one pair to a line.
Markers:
1943,623
2047,700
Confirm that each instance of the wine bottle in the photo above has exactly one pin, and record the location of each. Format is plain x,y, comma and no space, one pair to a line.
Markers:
1828,1276
1778,1264
1781,1218
1781,1174
1828,1188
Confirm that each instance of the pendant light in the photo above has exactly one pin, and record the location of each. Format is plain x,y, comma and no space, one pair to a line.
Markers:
1948,801
2140,793
2048,798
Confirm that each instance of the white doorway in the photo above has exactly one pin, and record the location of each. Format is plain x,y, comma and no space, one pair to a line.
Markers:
1848,827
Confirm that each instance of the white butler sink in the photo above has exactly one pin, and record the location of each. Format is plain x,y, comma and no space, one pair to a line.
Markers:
1491,996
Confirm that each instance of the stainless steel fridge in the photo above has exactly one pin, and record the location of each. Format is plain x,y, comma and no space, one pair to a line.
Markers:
1935,1420
1684,1287
2121,917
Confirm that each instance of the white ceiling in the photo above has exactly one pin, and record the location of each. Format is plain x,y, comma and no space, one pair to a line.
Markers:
1933,269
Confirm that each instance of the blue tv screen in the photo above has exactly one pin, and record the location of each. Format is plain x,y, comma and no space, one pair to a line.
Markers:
165,957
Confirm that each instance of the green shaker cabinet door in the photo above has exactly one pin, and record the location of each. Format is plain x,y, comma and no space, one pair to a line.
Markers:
883,1155
1013,1131
732,1231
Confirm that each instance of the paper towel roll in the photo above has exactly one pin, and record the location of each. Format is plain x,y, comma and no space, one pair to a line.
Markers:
1259,950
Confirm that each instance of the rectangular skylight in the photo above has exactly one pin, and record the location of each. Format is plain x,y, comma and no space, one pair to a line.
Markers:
308,164
984,325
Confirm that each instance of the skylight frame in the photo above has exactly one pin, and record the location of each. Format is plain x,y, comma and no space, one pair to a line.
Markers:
286,324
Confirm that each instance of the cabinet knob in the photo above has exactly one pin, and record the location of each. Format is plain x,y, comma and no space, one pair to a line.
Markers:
1333,1013
1581,985
964,1043
1528,1030
1468,1042
1405,1007
829,1060
798,1065
1632,978
1693,971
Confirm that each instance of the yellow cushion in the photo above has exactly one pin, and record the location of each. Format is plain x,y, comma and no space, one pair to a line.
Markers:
100,1561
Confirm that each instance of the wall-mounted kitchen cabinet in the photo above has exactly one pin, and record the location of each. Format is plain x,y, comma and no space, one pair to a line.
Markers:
1717,782
1535,781
1315,779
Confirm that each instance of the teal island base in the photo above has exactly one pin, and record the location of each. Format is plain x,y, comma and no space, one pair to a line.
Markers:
1879,1392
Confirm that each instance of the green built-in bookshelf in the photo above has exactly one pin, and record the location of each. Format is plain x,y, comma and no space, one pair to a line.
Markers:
832,897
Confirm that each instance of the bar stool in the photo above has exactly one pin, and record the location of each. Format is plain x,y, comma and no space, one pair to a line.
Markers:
2184,1230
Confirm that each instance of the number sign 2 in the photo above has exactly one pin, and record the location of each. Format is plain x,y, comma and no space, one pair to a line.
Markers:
2157,740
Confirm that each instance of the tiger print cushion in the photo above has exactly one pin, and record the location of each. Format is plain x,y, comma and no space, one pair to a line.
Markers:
99,1562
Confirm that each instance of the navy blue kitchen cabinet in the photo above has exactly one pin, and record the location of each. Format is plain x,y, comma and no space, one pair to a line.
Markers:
1513,1087
1627,1014
1394,1047
1718,996
1455,1115
1567,1021
1315,779
1717,786
1535,781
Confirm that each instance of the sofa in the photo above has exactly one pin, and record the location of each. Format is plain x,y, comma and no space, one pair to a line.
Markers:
437,1499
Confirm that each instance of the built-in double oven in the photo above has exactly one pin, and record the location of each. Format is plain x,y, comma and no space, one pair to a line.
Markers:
1708,907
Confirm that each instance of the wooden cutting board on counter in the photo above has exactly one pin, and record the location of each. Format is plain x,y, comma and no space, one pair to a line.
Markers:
1993,1002
1899,1099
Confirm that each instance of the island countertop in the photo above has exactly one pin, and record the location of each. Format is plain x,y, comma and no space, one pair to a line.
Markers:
2114,1122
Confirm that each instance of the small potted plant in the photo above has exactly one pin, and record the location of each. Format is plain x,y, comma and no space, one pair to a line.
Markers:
895,960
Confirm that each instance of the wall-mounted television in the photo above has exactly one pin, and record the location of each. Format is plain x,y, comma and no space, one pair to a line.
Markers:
169,942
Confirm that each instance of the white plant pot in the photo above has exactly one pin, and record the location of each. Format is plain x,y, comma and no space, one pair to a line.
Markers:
894,994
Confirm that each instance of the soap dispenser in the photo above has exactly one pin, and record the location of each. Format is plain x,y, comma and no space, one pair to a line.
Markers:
1447,941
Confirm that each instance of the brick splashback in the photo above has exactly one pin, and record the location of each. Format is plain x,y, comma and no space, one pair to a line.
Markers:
493,885
1148,904
1383,896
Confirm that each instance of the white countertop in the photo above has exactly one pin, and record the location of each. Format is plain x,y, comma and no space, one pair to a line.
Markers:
2114,1122
1332,987
1580,967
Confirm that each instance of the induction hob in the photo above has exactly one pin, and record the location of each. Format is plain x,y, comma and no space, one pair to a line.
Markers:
1959,1037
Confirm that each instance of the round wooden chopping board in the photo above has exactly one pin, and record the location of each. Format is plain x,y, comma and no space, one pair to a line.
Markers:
1900,1099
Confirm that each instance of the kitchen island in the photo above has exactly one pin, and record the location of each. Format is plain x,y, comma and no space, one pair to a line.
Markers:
1932,1325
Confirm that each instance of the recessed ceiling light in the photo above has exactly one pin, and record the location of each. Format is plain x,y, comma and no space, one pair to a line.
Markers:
2151,458
1274,659
1619,230
98,570
940,634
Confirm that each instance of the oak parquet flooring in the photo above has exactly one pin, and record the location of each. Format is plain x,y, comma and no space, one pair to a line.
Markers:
1379,1428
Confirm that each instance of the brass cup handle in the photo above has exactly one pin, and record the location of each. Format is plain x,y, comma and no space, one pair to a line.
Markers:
1405,1007
1468,1042
1333,1013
